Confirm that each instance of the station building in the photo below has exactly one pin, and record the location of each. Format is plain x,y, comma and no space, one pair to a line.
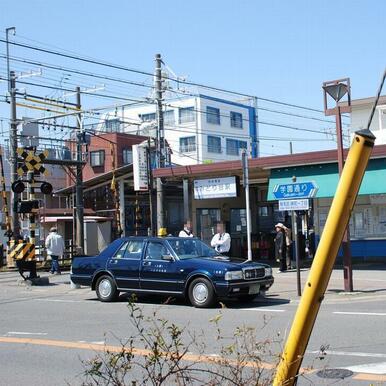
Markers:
368,220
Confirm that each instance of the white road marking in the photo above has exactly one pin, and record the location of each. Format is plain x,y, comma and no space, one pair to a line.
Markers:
261,309
360,313
350,354
98,342
369,368
25,333
60,300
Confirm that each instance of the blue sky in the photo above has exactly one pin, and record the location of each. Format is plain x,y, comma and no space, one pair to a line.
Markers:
276,49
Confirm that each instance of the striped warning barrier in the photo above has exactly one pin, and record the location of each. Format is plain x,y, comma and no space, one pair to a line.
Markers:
20,250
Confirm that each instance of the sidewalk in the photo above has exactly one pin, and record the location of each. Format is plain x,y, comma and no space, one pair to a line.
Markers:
369,282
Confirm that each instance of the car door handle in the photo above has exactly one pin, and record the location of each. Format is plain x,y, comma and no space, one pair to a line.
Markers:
147,263
114,261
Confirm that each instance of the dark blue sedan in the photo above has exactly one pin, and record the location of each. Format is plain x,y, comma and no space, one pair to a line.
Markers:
172,266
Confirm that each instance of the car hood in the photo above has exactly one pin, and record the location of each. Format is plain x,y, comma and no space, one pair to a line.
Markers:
226,262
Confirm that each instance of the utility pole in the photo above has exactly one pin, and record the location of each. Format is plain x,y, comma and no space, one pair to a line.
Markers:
244,162
151,231
7,31
79,180
13,155
291,149
161,229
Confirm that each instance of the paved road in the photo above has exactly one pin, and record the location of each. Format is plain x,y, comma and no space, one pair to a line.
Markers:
46,331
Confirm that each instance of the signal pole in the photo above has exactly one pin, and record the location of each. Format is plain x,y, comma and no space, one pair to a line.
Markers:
13,154
161,229
79,180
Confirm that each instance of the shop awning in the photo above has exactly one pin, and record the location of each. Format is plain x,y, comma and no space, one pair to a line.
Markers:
52,219
326,178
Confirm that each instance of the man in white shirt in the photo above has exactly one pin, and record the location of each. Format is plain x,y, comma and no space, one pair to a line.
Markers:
221,241
55,248
187,231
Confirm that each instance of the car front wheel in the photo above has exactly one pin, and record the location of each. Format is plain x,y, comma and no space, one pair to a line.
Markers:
201,293
106,289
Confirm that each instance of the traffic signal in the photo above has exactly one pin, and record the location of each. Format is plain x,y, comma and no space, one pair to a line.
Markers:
29,206
18,187
46,188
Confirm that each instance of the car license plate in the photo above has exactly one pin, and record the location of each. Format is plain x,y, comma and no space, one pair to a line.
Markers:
254,289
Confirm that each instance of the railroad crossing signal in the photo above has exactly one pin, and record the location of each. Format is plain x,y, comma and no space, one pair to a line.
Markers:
32,161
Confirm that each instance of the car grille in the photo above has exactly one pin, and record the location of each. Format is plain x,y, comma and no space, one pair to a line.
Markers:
254,273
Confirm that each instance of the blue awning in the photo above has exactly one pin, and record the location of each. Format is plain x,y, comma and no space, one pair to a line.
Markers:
326,177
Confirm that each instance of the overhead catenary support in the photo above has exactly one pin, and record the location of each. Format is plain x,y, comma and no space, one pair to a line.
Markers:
13,156
161,227
79,181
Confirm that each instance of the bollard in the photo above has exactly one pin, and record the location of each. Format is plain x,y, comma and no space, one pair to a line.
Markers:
337,221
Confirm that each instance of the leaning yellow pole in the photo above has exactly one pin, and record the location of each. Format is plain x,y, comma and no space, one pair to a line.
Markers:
324,260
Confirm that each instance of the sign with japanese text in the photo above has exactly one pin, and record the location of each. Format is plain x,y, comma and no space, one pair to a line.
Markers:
302,204
215,188
295,190
140,172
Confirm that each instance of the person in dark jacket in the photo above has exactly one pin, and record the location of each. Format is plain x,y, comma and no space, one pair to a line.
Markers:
280,246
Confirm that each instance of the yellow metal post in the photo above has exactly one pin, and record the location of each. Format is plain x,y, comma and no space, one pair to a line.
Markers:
324,260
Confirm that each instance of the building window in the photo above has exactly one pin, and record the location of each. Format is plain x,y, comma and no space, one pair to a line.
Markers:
97,158
112,125
214,144
234,145
127,155
236,120
147,117
169,117
187,144
186,114
213,115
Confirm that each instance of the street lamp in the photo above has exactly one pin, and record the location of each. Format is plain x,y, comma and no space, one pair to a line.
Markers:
337,89
7,31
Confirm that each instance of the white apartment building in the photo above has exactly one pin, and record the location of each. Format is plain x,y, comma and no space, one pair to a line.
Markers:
361,109
199,129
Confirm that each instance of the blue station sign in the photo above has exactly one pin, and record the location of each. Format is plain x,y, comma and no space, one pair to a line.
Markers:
295,190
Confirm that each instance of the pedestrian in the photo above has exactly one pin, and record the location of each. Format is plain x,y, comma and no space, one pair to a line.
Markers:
288,242
187,231
221,241
280,247
55,249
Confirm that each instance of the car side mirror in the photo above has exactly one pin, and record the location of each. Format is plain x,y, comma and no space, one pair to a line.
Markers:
167,257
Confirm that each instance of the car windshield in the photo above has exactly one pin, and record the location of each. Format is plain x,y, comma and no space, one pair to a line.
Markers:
187,248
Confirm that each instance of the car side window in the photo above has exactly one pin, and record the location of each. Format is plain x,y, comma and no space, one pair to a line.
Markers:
121,251
131,249
155,250
134,250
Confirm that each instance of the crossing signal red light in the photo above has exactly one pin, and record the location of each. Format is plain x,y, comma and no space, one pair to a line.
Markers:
46,188
18,187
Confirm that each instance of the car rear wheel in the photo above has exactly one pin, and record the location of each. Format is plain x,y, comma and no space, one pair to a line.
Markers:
201,293
106,289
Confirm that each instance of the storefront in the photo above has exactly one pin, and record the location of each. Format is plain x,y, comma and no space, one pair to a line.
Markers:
368,219
367,225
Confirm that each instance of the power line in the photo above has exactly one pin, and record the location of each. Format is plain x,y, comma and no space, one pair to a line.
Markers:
124,68
82,92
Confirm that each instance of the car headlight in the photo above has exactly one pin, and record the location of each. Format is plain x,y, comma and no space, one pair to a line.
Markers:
268,271
233,275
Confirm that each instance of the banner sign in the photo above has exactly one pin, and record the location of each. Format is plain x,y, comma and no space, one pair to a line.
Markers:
140,172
